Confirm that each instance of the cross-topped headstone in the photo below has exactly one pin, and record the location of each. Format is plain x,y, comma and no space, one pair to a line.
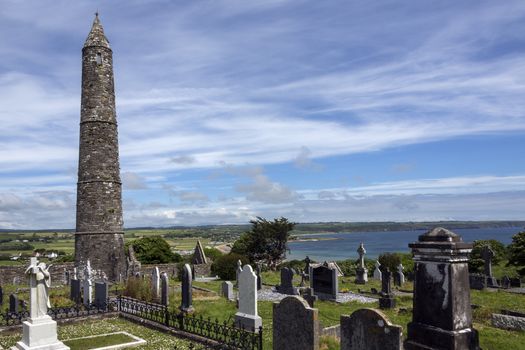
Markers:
487,254
361,272
361,251
306,270
386,301
309,296
377,271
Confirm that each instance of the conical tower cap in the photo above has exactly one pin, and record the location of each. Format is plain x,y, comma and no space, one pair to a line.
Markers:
96,36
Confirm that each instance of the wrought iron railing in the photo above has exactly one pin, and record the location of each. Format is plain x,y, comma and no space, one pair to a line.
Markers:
227,335
58,313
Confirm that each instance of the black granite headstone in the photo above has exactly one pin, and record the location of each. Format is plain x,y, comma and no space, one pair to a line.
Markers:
505,282
186,301
386,301
515,282
75,291
477,281
324,282
13,303
101,294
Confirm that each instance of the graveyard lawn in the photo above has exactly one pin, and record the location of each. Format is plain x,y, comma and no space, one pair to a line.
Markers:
94,342
155,340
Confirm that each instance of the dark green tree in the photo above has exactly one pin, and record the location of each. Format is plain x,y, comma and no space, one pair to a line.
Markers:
516,251
154,250
226,265
266,241
476,262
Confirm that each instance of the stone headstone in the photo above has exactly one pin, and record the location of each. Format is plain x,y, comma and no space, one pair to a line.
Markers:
227,290
505,282
286,286
399,276
515,282
386,301
487,254
238,271
187,298
324,282
165,289
295,325
259,278
442,315
361,272
101,294
13,303
75,291
477,281
155,283
247,316
308,295
199,258
377,271
368,329
306,270
87,291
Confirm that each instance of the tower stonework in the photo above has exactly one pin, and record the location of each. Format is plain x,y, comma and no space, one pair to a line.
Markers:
99,236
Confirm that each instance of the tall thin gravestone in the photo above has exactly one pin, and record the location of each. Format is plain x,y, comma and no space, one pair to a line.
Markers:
361,272
488,254
238,271
386,301
377,271
247,316
165,289
155,283
369,329
259,278
101,294
186,302
75,290
441,316
87,285
295,325
399,276
13,303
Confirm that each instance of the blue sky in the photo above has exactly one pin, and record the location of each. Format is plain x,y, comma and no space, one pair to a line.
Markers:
312,110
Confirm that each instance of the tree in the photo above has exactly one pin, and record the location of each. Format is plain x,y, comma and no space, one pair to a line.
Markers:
476,262
226,265
390,260
266,241
516,252
154,250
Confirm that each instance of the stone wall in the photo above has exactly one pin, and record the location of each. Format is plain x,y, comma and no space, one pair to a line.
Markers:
8,273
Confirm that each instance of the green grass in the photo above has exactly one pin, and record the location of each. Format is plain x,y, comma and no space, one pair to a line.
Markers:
98,342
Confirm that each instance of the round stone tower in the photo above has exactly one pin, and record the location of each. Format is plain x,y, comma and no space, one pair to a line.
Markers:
99,236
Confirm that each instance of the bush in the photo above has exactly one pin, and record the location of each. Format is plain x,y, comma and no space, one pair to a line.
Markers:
138,288
297,265
16,246
212,253
390,261
154,250
226,265
517,253
65,258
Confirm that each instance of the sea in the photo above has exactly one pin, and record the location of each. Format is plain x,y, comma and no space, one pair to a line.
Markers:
343,245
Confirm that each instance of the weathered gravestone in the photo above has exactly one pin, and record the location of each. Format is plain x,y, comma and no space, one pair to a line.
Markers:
377,271
487,254
324,282
442,315
187,298
306,270
308,295
227,290
238,271
155,283
75,291
259,278
368,329
477,281
505,282
361,272
246,316
515,282
13,303
101,294
87,285
399,276
386,301
295,325
286,286
165,289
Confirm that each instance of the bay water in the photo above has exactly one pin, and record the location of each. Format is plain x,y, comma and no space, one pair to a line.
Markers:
341,246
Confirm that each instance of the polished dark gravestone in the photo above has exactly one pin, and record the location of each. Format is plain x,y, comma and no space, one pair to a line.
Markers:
386,301
368,329
442,315
324,282
164,289
101,294
286,286
186,302
75,291
515,282
13,303
295,325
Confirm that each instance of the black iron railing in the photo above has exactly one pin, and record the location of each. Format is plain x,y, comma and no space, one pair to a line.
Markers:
227,335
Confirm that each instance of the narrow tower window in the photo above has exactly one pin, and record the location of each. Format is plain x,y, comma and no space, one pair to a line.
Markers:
99,58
